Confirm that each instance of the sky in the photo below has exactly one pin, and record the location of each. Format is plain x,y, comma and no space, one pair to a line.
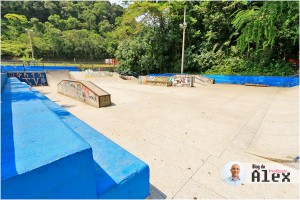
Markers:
119,2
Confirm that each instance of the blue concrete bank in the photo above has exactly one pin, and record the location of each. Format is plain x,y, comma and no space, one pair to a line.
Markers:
49,153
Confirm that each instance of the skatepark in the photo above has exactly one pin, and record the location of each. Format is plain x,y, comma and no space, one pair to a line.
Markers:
186,135
118,99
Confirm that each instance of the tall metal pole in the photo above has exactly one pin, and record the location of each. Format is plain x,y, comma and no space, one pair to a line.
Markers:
183,40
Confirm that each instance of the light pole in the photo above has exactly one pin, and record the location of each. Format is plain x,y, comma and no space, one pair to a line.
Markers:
184,25
28,30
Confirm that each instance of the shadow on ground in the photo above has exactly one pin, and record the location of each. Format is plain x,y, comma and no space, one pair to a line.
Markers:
155,193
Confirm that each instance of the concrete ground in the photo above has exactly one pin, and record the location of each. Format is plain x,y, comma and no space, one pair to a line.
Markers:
187,135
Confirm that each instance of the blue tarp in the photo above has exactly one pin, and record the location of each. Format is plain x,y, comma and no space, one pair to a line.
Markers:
21,68
279,81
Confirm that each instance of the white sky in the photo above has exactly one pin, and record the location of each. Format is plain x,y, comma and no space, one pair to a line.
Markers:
119,2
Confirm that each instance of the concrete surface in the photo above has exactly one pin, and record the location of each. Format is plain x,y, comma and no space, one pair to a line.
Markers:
187,135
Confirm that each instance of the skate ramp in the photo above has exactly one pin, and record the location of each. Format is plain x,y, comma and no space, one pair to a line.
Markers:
278,135
55,77
100,75
89,74
85,91
77,75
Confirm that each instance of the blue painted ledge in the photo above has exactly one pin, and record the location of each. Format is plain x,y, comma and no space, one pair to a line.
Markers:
41,157
108,171
277,81
3,80
119,174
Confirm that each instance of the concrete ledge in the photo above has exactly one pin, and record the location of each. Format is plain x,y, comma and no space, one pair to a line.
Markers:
119,174
69,177
3,80
183,80
41,156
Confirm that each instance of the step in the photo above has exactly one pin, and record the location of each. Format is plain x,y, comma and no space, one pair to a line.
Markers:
119,174
41,157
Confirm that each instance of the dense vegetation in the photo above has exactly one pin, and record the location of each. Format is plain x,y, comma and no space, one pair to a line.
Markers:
222,36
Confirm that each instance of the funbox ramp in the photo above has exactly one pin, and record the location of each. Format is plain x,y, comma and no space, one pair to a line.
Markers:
85,91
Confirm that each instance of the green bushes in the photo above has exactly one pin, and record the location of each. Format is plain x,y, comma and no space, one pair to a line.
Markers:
241,67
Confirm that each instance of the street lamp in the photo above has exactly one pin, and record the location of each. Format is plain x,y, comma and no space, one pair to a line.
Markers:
184,25
29,35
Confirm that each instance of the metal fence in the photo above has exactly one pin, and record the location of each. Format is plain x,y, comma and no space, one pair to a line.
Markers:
56,63
17,66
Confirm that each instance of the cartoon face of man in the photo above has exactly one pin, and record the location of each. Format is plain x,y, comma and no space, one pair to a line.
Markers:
235,170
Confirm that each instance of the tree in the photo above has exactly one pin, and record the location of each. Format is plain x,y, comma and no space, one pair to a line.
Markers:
268,32
225,37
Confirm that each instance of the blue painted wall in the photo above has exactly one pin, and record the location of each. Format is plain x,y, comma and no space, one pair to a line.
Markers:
279,81
3,80
41,157
46,153
20,68
31,78
119,174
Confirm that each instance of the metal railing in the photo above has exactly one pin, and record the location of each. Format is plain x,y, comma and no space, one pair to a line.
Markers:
56,63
